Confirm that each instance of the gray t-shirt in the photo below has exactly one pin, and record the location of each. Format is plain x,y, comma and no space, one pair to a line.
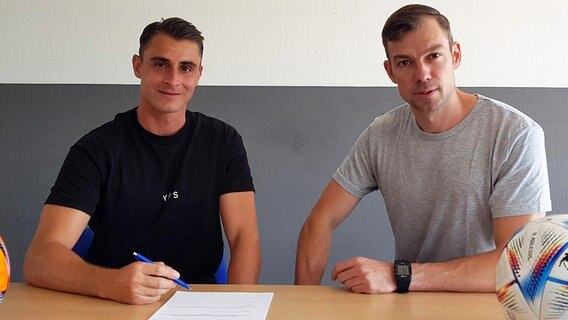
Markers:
442,190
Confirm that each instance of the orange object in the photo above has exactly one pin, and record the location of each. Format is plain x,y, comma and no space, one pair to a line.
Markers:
4,269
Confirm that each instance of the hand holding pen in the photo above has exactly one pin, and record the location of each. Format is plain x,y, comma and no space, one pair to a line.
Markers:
141,258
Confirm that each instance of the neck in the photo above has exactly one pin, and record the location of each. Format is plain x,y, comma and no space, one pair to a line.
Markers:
161,124
454,111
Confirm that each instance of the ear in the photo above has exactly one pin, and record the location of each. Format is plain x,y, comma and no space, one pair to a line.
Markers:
388,69
456,54
200,71
136,65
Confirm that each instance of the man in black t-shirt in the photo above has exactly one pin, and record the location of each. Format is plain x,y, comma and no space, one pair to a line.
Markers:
158,179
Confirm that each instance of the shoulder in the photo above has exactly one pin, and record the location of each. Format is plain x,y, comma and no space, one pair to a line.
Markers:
391,120
109,133
210,126
384,129
504,115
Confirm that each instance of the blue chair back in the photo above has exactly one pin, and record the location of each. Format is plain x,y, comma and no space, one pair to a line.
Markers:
81,248
221,274
82,245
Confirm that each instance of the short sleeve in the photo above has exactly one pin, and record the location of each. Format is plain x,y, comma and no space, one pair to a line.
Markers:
78,183
521,185
356,174
237,176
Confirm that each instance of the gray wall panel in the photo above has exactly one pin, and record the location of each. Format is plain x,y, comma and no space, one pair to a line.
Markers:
295,136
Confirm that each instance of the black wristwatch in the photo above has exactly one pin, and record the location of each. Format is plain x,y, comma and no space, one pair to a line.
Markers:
402,275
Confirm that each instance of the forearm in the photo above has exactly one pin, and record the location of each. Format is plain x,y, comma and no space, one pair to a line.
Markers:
468,274
244,267
312,255
52,265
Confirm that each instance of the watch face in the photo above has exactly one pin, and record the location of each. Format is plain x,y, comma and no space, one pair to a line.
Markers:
402,269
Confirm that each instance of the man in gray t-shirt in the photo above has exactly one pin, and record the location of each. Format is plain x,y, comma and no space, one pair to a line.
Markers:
459,173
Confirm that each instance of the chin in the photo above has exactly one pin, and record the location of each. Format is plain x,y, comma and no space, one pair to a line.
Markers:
170,107
425,107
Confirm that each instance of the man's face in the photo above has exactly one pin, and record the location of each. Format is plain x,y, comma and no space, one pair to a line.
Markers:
422,64
169,71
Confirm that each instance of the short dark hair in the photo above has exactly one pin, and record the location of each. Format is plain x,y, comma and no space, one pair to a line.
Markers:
174,27
409,18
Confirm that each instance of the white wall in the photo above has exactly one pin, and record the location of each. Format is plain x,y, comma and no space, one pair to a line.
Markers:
508,43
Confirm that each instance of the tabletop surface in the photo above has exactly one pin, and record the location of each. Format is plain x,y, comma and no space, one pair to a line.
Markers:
23,301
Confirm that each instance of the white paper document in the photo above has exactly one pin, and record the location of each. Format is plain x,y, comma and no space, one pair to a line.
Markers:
215,305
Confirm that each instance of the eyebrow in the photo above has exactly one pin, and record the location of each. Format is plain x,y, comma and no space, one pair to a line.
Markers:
430,49
165,60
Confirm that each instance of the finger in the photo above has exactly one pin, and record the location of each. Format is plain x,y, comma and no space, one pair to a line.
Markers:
348,264
151,291
369,284
349,274
354,282
354,263
338,268
362,288
156,276
155,283
160,270
136,298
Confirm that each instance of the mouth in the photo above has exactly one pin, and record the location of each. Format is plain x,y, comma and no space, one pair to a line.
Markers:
425,92
169,93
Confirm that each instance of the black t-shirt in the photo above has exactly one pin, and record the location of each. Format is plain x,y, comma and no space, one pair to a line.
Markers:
155,195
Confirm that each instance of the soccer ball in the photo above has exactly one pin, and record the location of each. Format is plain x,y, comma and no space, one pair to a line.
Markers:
532,272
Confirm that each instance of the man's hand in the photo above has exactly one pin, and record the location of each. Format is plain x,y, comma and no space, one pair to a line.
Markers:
363,275
141,283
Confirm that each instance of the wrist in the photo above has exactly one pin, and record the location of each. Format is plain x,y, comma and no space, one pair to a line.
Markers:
103,281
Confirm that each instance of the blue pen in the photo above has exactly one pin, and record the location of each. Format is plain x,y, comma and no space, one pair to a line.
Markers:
142,258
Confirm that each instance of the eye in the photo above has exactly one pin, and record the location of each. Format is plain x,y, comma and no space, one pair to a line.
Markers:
403,63
187,68
435,55
159,65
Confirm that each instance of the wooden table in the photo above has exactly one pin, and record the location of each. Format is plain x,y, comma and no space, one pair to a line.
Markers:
289,302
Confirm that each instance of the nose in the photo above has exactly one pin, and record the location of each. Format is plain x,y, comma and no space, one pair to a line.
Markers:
172,77
422,72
